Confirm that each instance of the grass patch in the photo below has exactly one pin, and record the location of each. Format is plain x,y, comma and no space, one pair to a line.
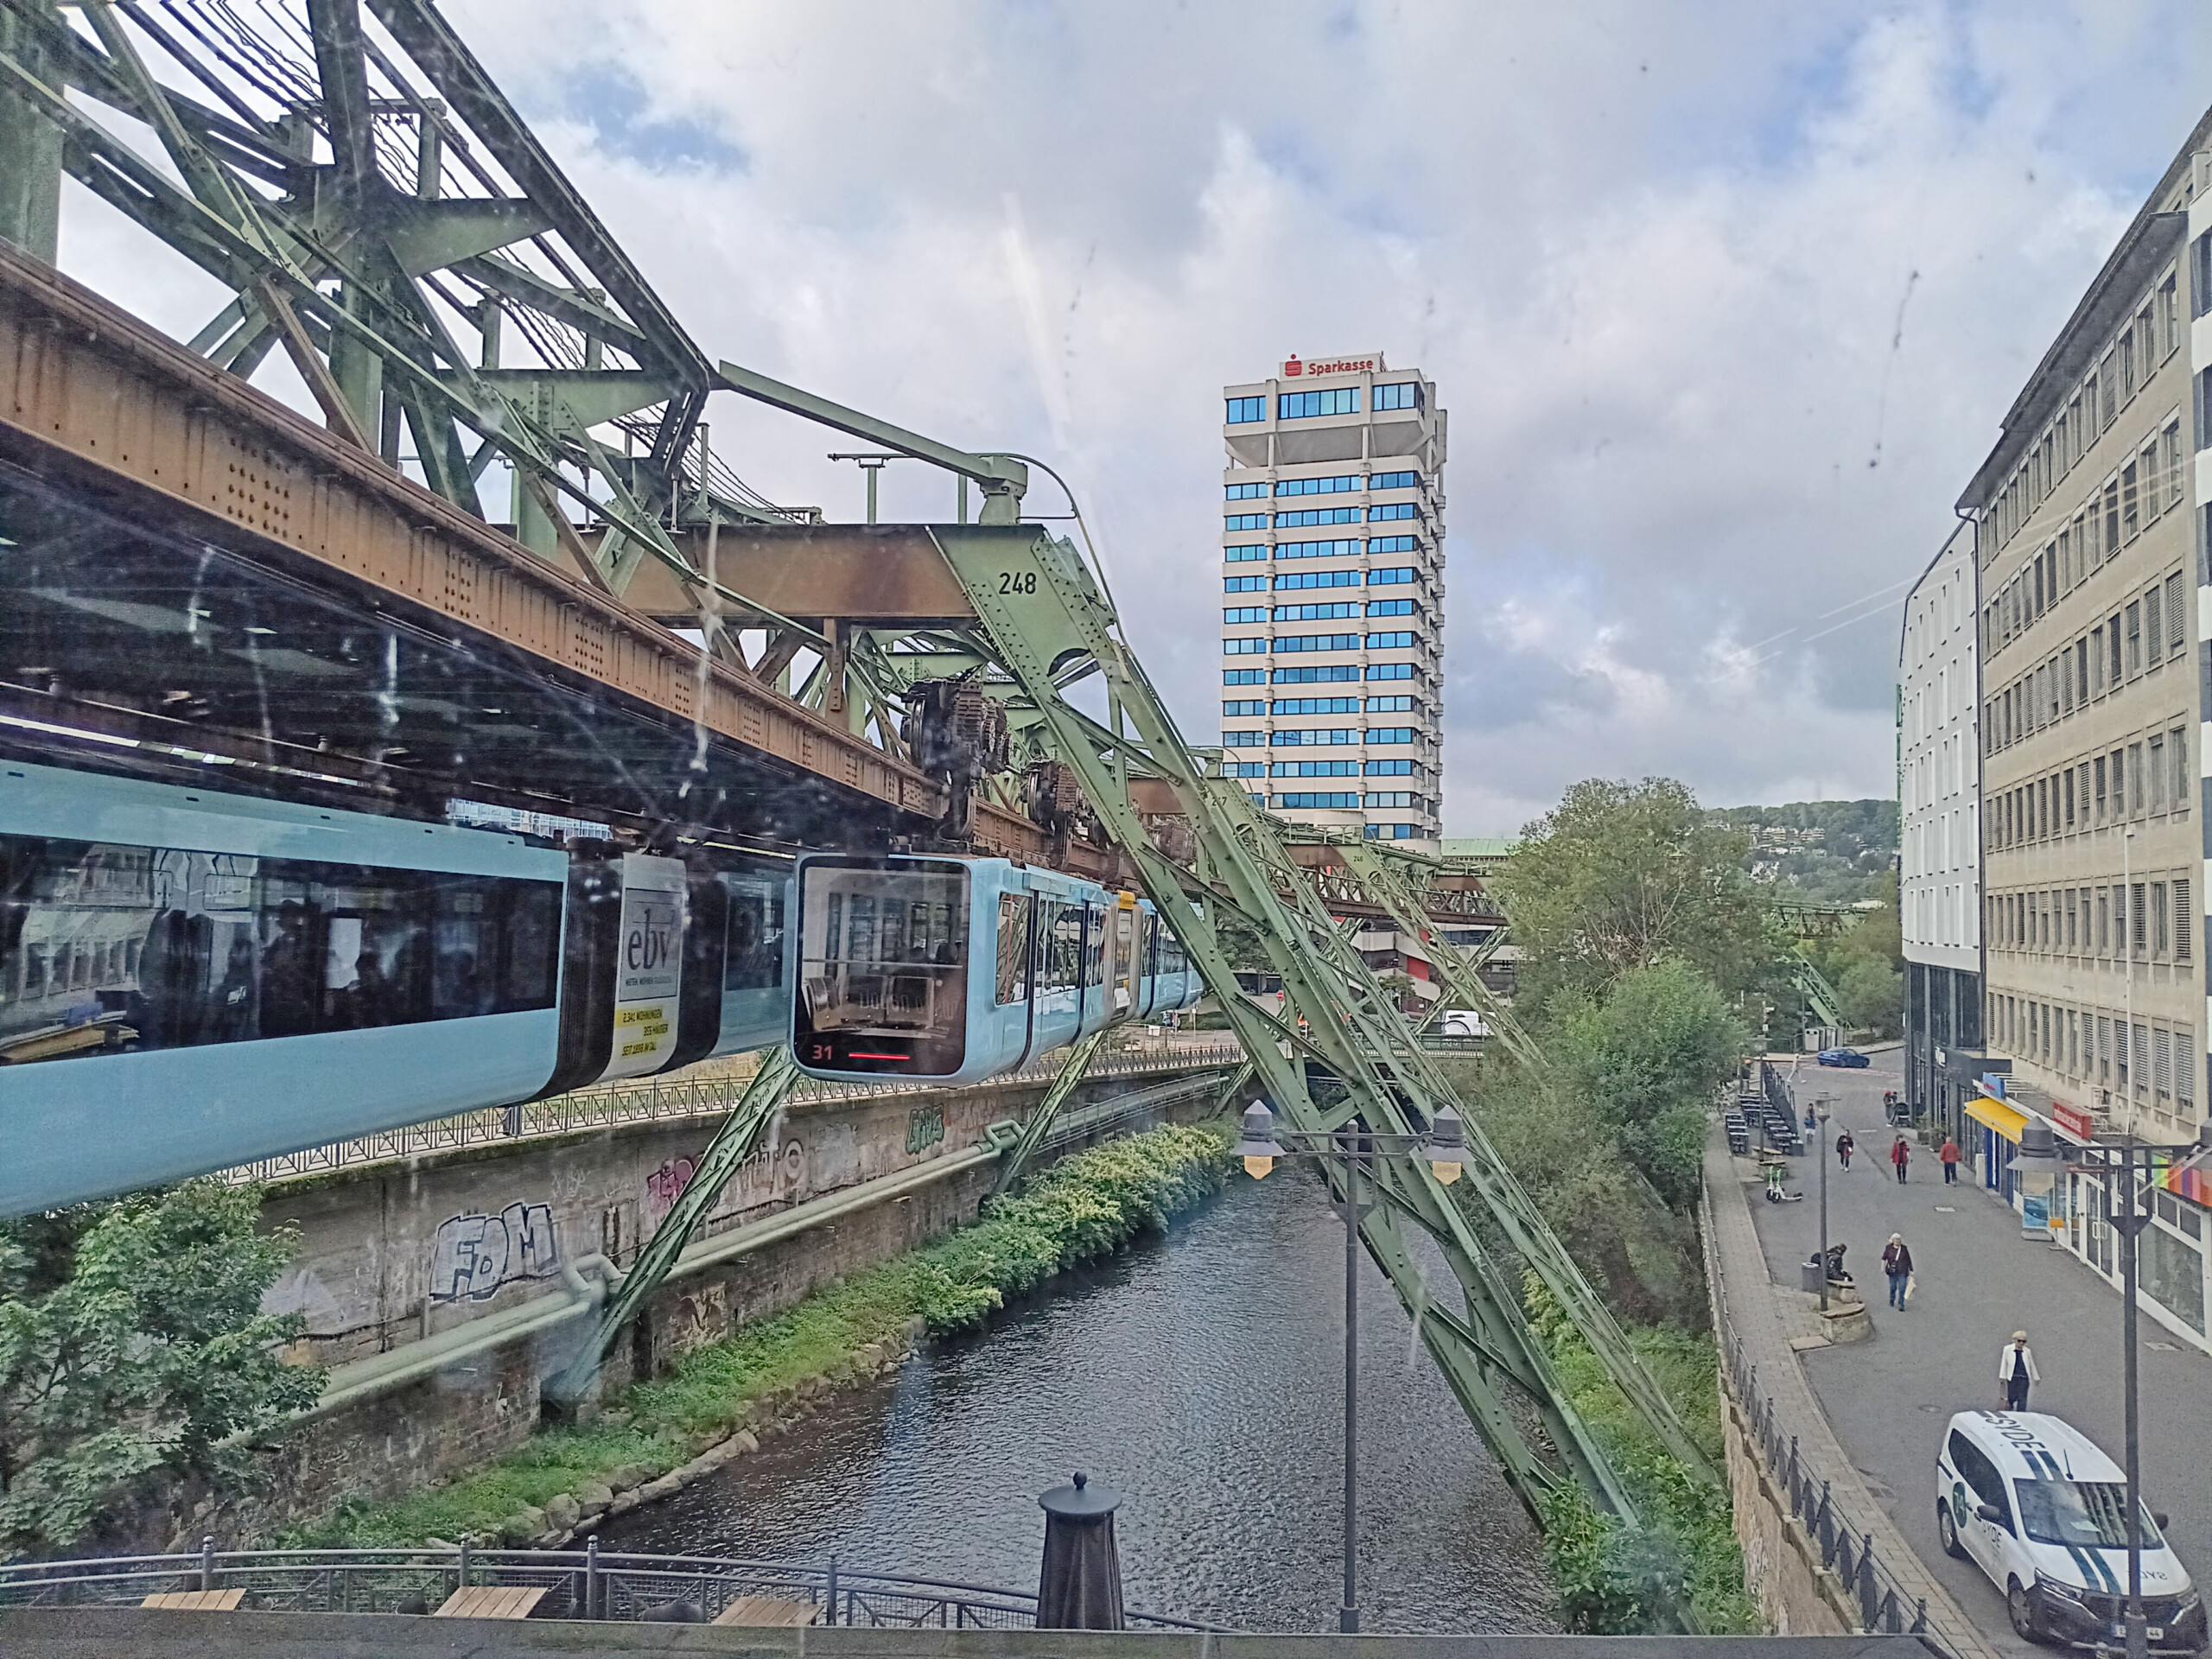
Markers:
1685,1566
1085,1206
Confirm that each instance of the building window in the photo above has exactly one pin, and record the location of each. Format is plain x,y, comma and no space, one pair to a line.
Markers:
1393,543
2130,513
2202,387
1245,492
1395,574
1394,480
1343,550
1390,510
1304,405
1245,521
2177,758
1393,769
1322,676
1398,641
2200,275
1314,769
1244,739
2159,918
1391,797
1391,671
1243,677
2154,633
1244,584
1317,516
1317,705
1244,613
2184,923
2172,443
1310,799
1315,486
2134,639
1389,705
1316,613
1405,395
1244,553
1392,607
1245,769
1294,642
1391,832
2169,317
1243,647
1291,581
1244,410
1316,737
1233,706
1390,733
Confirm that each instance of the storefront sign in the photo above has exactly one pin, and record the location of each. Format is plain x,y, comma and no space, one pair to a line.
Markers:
2072,1119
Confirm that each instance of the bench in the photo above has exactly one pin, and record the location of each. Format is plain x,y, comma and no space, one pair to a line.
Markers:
198,1601
767,1612
491,1601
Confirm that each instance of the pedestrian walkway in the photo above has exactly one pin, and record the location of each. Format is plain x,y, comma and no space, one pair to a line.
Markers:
1887,1399
1774,1325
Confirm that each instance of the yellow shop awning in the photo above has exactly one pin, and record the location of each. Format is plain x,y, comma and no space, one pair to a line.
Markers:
2007,1121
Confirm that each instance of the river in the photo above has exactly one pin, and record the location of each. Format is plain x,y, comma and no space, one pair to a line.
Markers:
1201,1376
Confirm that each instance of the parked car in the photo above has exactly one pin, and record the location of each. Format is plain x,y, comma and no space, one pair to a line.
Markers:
1843,1057
2036,1504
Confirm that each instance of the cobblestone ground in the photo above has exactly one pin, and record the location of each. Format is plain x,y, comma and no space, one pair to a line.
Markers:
1888,1398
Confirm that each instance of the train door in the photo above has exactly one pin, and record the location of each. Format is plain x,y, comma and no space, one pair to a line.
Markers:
1016,981
1124,1003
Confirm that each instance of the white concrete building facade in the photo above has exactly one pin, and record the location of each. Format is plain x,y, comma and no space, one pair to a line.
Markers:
1332,601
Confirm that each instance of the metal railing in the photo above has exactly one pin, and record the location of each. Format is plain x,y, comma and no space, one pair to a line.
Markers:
586,1584
670,1100
1846,1552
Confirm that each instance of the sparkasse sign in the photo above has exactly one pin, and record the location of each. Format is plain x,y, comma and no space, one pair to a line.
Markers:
1294,367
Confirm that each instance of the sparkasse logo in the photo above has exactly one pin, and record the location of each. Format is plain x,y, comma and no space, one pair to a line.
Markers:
1293,369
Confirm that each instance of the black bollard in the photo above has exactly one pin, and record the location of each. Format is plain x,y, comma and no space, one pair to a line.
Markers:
1080,1586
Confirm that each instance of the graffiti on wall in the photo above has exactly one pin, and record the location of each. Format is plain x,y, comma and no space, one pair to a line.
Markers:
924,1128
476,1255
665,1186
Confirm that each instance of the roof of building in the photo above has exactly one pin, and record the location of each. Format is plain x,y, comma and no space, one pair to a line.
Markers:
1478,846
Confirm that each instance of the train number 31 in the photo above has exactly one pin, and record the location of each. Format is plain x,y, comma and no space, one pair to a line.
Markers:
1017,581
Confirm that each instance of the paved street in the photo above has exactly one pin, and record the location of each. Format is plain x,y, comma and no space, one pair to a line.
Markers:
1889,1397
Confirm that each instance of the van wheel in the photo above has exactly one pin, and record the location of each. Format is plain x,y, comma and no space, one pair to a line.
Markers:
2023,1614
1946,1533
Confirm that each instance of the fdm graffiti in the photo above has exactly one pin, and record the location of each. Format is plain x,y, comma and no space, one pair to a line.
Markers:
474,1256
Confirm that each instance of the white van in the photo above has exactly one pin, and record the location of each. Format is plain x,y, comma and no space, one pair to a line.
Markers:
2030,1499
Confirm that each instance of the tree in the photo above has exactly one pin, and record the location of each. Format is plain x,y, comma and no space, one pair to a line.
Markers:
1649,1057
131,1342
1618,876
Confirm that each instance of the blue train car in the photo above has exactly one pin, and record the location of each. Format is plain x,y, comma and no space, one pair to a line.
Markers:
957,969
190,980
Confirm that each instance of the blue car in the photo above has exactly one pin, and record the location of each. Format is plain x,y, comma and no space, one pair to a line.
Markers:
1848,1057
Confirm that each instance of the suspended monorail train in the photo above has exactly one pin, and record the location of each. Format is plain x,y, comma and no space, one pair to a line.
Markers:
229,978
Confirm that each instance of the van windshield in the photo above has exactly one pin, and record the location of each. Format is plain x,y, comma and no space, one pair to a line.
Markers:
2089,1514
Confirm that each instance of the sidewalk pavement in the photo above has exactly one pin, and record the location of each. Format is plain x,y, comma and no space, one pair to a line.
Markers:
1774,1325
1888,1399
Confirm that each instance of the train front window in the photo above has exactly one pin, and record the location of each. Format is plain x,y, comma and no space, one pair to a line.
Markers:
883,966
106,948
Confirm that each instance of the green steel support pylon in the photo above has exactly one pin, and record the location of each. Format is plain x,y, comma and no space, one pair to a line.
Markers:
1046,624
1041,1121
735,1141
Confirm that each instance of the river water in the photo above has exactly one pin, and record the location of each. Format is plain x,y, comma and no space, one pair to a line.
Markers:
1201,1376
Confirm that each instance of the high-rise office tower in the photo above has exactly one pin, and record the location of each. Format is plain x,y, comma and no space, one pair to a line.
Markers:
1332,608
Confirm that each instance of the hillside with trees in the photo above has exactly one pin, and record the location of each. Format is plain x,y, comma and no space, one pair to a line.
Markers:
1830,852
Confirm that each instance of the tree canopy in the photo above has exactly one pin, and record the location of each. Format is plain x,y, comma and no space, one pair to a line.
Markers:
1618,876
132,1341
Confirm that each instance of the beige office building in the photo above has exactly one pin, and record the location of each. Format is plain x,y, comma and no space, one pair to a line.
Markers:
2091,524
1333,604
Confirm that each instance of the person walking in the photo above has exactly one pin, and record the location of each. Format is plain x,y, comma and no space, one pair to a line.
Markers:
1900,1154
2016,1369
1950,1154
1896,1261
1844,1146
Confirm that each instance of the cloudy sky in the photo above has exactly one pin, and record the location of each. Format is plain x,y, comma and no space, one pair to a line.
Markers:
1724,299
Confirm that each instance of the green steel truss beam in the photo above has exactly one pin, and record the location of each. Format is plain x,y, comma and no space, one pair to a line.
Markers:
735,1141
1039,612
1041,1122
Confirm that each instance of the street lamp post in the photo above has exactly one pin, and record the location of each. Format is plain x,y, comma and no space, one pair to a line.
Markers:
2122,1164
1442,1149
1820,1104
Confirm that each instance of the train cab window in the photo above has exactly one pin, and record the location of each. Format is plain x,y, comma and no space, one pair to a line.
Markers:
1094,956
883,966
106,948
755,959
1014,948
